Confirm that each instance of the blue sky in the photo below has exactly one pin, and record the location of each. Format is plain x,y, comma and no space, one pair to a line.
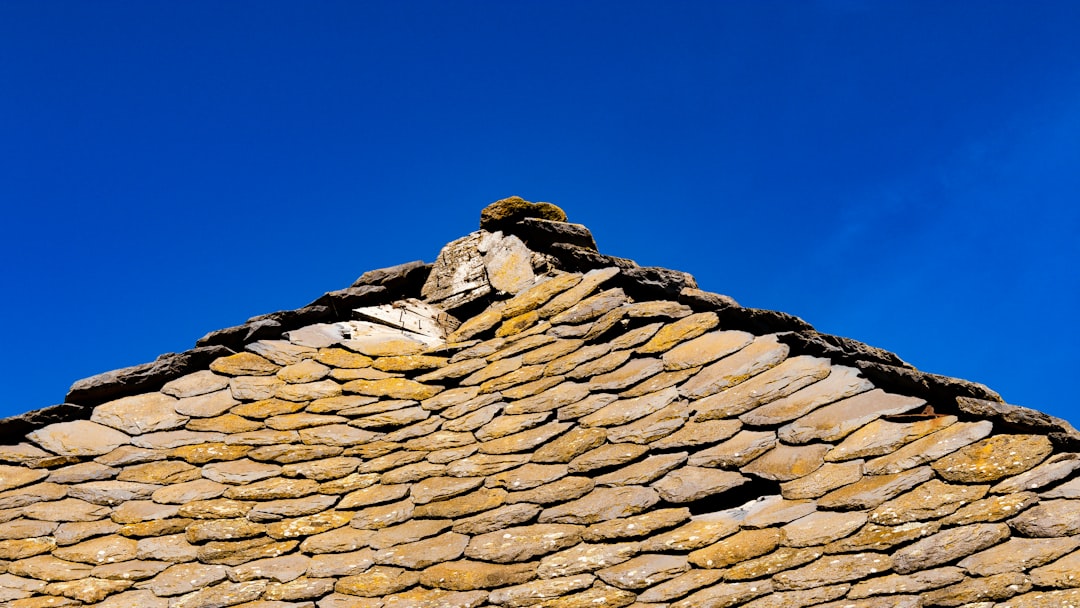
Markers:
903,173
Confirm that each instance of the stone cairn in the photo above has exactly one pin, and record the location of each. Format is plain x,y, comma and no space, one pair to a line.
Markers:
528,422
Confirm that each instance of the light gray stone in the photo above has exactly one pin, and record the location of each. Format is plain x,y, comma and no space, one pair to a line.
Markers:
140,414
836,421
948,545
79,438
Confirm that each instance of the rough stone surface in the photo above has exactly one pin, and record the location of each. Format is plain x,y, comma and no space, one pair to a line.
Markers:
994,458
548,426
948,545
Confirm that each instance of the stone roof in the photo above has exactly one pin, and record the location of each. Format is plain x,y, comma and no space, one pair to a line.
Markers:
528,422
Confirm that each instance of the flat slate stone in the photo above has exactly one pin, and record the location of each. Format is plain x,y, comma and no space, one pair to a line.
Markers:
993,508
931,500
994,458
690,483
139,414
878,538
836,421
770,384
570,445
588,283
682,330
14,477
735,452
628,410
907,583
468,575
518,544
695,434
842,382
882,437
539,294
679,586
376,582
644,471
634,371
590,308
1050,471
834,569
701,531
1058,574
822,527
602,504
78,438
785,463
654,426
725,594
930,448
644,571
872,490
636,526
424,553
534,592
585,557
768,511
947,546
740,547
195,383
996,587
1050,518
1021,554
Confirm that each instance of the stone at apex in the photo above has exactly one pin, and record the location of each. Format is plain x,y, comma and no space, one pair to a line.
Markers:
506,212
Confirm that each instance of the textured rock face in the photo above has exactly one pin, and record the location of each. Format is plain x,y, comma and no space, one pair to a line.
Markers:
583,437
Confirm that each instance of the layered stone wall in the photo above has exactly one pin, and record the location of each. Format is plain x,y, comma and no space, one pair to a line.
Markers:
542,429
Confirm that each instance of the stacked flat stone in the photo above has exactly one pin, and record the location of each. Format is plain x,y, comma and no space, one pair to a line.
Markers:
567,446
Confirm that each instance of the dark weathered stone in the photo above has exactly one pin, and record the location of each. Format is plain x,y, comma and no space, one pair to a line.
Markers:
23,424
343,301
237,336
292,319
580,259
1016,418
839,349
404,280
932,387
654,283
759,321
142,378
266,327
539,233
704,301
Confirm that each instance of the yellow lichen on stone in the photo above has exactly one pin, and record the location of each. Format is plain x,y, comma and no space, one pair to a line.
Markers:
536,296
387,347
517,324
339,357
394,388
686,328
478,324
408,363
244,364
513,209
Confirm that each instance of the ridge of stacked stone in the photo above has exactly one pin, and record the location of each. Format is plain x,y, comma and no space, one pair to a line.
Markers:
527,422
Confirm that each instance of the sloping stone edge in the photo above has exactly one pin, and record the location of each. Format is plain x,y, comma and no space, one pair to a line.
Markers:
382,286
1022,419
24,424
142,378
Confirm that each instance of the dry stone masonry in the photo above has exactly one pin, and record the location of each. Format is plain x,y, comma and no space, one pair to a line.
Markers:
528,422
